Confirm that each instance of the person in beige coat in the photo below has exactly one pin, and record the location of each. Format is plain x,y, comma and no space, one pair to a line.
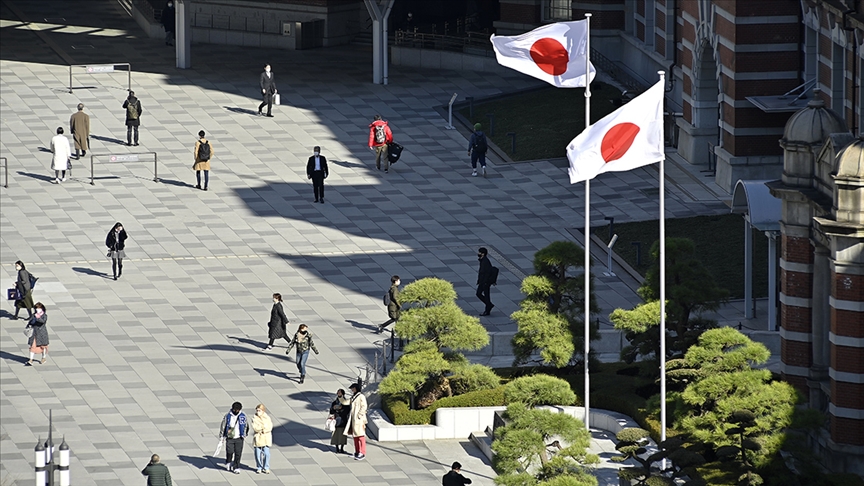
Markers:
262,426
79,125
356,426
203,154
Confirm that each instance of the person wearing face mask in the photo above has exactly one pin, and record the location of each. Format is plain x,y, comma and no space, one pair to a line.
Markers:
116,243
339,410
484,280
303,341
25,290
394,307
262,426
38,341
278,321
268,89
356,426
233,430
168,22
316,169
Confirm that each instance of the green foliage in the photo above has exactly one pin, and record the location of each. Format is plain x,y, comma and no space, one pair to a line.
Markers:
421,362
446,325
641,327
397,408
427,292
522,451
539,389
473,377
550,319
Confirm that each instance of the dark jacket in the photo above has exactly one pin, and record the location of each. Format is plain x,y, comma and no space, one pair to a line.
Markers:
304,345
268,83
394,310
23,283
157,474
342,412
40,330
453,478
277,323
132,122
310,166
475,138
168,18
485,271
116,244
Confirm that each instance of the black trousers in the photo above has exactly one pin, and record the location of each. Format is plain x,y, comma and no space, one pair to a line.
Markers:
318,184
483,294
233,448
268,100
129,129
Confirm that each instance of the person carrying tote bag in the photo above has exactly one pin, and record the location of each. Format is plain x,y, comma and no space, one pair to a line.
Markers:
356,426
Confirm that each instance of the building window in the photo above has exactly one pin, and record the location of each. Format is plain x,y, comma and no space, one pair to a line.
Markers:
838,79
557,10
650,16
860,96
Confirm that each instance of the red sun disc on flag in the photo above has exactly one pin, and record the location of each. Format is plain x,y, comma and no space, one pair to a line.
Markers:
550,56
617,141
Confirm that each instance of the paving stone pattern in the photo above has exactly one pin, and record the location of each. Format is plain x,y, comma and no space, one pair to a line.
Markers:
149,363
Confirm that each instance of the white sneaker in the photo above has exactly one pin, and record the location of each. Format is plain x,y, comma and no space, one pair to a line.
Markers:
474,174
64,179
484,172
56,180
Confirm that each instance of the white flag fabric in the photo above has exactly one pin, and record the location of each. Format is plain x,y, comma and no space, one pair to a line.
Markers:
627,138
554,53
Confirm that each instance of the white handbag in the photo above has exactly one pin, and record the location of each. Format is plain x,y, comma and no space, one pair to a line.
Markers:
276,99
330,424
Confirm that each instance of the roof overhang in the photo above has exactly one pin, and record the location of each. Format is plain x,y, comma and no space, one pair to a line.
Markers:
753,199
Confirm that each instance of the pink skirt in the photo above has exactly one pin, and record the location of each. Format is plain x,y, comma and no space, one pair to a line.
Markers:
37,349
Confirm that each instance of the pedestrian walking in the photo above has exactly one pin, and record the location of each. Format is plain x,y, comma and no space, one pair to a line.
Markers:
60,160
391,300
156,472
233,430
262,441
203,154
379,136
356,426
339,411
455,477
168,22
79,127
116,243
38,340
25,291
132,105
268,90
276,328
477,147
316,169
303,340
484,280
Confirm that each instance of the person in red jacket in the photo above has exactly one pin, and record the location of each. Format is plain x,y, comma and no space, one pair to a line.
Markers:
379,136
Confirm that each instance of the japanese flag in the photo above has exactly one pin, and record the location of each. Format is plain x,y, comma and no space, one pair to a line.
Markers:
554,53
629,137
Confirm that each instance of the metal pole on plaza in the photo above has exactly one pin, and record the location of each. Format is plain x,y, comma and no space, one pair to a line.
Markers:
662,284
40,463
587,319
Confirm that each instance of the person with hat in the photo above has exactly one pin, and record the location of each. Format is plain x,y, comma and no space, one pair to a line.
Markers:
477,147
356,426
455,477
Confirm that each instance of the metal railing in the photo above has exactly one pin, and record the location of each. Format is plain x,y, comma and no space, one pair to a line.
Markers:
125,158
616,72
471,42
103,68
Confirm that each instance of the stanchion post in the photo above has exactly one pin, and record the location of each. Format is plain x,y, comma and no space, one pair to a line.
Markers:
129,76
92,181
40,463
155,167
70,79
65,479
5,172
450,112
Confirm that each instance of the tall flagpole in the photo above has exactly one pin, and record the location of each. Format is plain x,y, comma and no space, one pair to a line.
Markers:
587,220
662,280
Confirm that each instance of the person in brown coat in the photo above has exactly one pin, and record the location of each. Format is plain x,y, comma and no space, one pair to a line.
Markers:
203,154
79,125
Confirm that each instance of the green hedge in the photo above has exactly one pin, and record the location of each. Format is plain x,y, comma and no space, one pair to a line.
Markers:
396,406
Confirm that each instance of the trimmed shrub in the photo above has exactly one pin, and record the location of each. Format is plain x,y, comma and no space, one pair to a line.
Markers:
396,406
539,390
473,377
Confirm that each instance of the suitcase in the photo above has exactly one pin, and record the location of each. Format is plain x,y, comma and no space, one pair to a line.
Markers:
394,151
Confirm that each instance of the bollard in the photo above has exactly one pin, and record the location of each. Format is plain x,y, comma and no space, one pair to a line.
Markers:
512,136
491,124
450,113
91,171
470,100
64,464
638,245
392,344
40,464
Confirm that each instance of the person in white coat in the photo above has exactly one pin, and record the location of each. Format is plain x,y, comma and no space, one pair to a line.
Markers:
62,152
356,426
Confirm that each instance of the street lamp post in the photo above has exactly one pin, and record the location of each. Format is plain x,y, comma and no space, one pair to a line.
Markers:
45,465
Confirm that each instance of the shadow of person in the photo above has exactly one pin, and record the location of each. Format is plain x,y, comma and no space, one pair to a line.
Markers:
45,149
250,342
175,183
360,325
349,165
13,357
241,111
40,177
206,462
108,139
90,271
277,374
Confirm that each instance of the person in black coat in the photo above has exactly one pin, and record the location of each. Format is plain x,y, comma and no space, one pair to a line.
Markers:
132,105
316,169
484,280
22,284
116,243
168,22
268,89
455,477
278,321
